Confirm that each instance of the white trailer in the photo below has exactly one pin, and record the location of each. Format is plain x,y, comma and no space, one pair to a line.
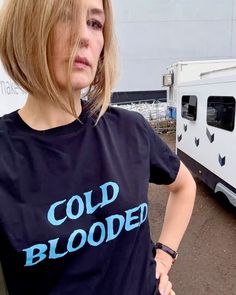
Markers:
205,119
188,71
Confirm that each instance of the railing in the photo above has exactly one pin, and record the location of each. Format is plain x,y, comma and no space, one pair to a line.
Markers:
154,111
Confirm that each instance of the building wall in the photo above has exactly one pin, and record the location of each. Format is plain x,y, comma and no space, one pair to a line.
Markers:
153,34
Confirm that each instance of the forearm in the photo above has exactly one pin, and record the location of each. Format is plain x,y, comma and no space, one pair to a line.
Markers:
178,213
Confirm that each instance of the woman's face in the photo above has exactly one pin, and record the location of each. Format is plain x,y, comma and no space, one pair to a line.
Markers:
90,29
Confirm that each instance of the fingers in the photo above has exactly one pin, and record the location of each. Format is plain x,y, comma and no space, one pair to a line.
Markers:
165,286
160,268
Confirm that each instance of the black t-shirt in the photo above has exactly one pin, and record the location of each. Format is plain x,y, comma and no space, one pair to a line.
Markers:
74,207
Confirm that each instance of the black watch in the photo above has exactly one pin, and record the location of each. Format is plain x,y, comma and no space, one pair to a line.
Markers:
168,250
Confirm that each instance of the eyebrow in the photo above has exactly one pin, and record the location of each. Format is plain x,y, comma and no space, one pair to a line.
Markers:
97,11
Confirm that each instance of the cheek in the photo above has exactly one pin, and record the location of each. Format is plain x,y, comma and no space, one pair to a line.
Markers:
60,45
99,44
98,49
60,53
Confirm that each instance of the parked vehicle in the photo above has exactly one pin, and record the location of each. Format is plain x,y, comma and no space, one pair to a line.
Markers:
203,94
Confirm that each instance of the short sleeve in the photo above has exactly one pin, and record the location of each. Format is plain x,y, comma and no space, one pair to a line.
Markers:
164,164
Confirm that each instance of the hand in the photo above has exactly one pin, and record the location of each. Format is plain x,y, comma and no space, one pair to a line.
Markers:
165,286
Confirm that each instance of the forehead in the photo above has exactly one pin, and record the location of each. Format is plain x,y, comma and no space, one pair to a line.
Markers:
86,7
89,5
95,3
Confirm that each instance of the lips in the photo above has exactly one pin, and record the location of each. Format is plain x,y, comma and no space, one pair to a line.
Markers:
82,60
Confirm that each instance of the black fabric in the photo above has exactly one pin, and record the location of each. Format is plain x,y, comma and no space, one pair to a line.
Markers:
73,204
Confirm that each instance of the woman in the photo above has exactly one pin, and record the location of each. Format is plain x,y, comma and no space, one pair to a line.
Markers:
74,174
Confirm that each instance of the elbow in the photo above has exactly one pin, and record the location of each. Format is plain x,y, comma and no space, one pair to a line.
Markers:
184,182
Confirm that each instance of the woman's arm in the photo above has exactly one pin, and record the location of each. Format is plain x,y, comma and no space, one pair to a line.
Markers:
177,216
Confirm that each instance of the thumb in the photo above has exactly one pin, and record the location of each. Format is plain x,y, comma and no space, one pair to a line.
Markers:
157,273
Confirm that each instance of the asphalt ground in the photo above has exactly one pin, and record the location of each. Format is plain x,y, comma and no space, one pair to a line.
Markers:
207,255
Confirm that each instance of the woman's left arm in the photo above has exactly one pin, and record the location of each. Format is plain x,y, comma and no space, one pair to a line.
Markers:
177,216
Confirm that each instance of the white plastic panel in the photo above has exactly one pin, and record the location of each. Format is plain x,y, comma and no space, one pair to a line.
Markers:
11,96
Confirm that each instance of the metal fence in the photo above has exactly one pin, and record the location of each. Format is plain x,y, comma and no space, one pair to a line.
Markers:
154,111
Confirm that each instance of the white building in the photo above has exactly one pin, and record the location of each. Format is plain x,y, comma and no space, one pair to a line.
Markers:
153,34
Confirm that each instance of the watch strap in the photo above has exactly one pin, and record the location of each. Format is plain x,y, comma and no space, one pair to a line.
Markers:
167,250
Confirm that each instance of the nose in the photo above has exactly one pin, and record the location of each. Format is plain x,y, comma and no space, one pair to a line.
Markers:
84,42
84,35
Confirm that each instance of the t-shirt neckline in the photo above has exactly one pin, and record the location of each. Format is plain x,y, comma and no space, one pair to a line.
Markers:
63,129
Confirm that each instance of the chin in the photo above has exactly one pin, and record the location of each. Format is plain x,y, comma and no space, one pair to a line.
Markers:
79,86
79,83
76,85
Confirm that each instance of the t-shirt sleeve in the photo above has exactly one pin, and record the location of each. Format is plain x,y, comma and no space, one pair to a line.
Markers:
164,164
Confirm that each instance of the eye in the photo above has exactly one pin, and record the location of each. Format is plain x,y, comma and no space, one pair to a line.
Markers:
95,24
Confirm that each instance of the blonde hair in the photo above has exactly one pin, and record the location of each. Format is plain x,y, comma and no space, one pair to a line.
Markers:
26,29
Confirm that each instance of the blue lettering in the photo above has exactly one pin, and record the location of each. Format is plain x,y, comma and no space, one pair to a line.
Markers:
88,198
144,212
92,231
130,218
36,253
110,226
71,240
105,199
51,214
52,252
80,205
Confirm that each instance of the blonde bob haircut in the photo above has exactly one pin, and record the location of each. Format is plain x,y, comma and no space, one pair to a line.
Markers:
26,31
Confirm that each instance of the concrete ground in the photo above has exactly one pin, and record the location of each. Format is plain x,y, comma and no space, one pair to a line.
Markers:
207,254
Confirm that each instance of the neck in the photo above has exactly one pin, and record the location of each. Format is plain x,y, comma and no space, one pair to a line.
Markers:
41,114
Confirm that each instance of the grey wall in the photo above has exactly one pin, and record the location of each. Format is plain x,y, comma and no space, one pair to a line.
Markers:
153,34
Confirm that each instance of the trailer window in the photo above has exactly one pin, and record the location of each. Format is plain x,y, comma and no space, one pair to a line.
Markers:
189,107
221,112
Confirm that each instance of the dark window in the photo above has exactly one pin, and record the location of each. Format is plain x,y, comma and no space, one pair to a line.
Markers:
189,107
221,112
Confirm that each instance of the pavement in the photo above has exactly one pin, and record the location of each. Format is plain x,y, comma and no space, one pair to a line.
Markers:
207,255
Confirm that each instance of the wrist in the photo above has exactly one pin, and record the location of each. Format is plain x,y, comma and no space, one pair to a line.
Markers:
166,252
164,259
